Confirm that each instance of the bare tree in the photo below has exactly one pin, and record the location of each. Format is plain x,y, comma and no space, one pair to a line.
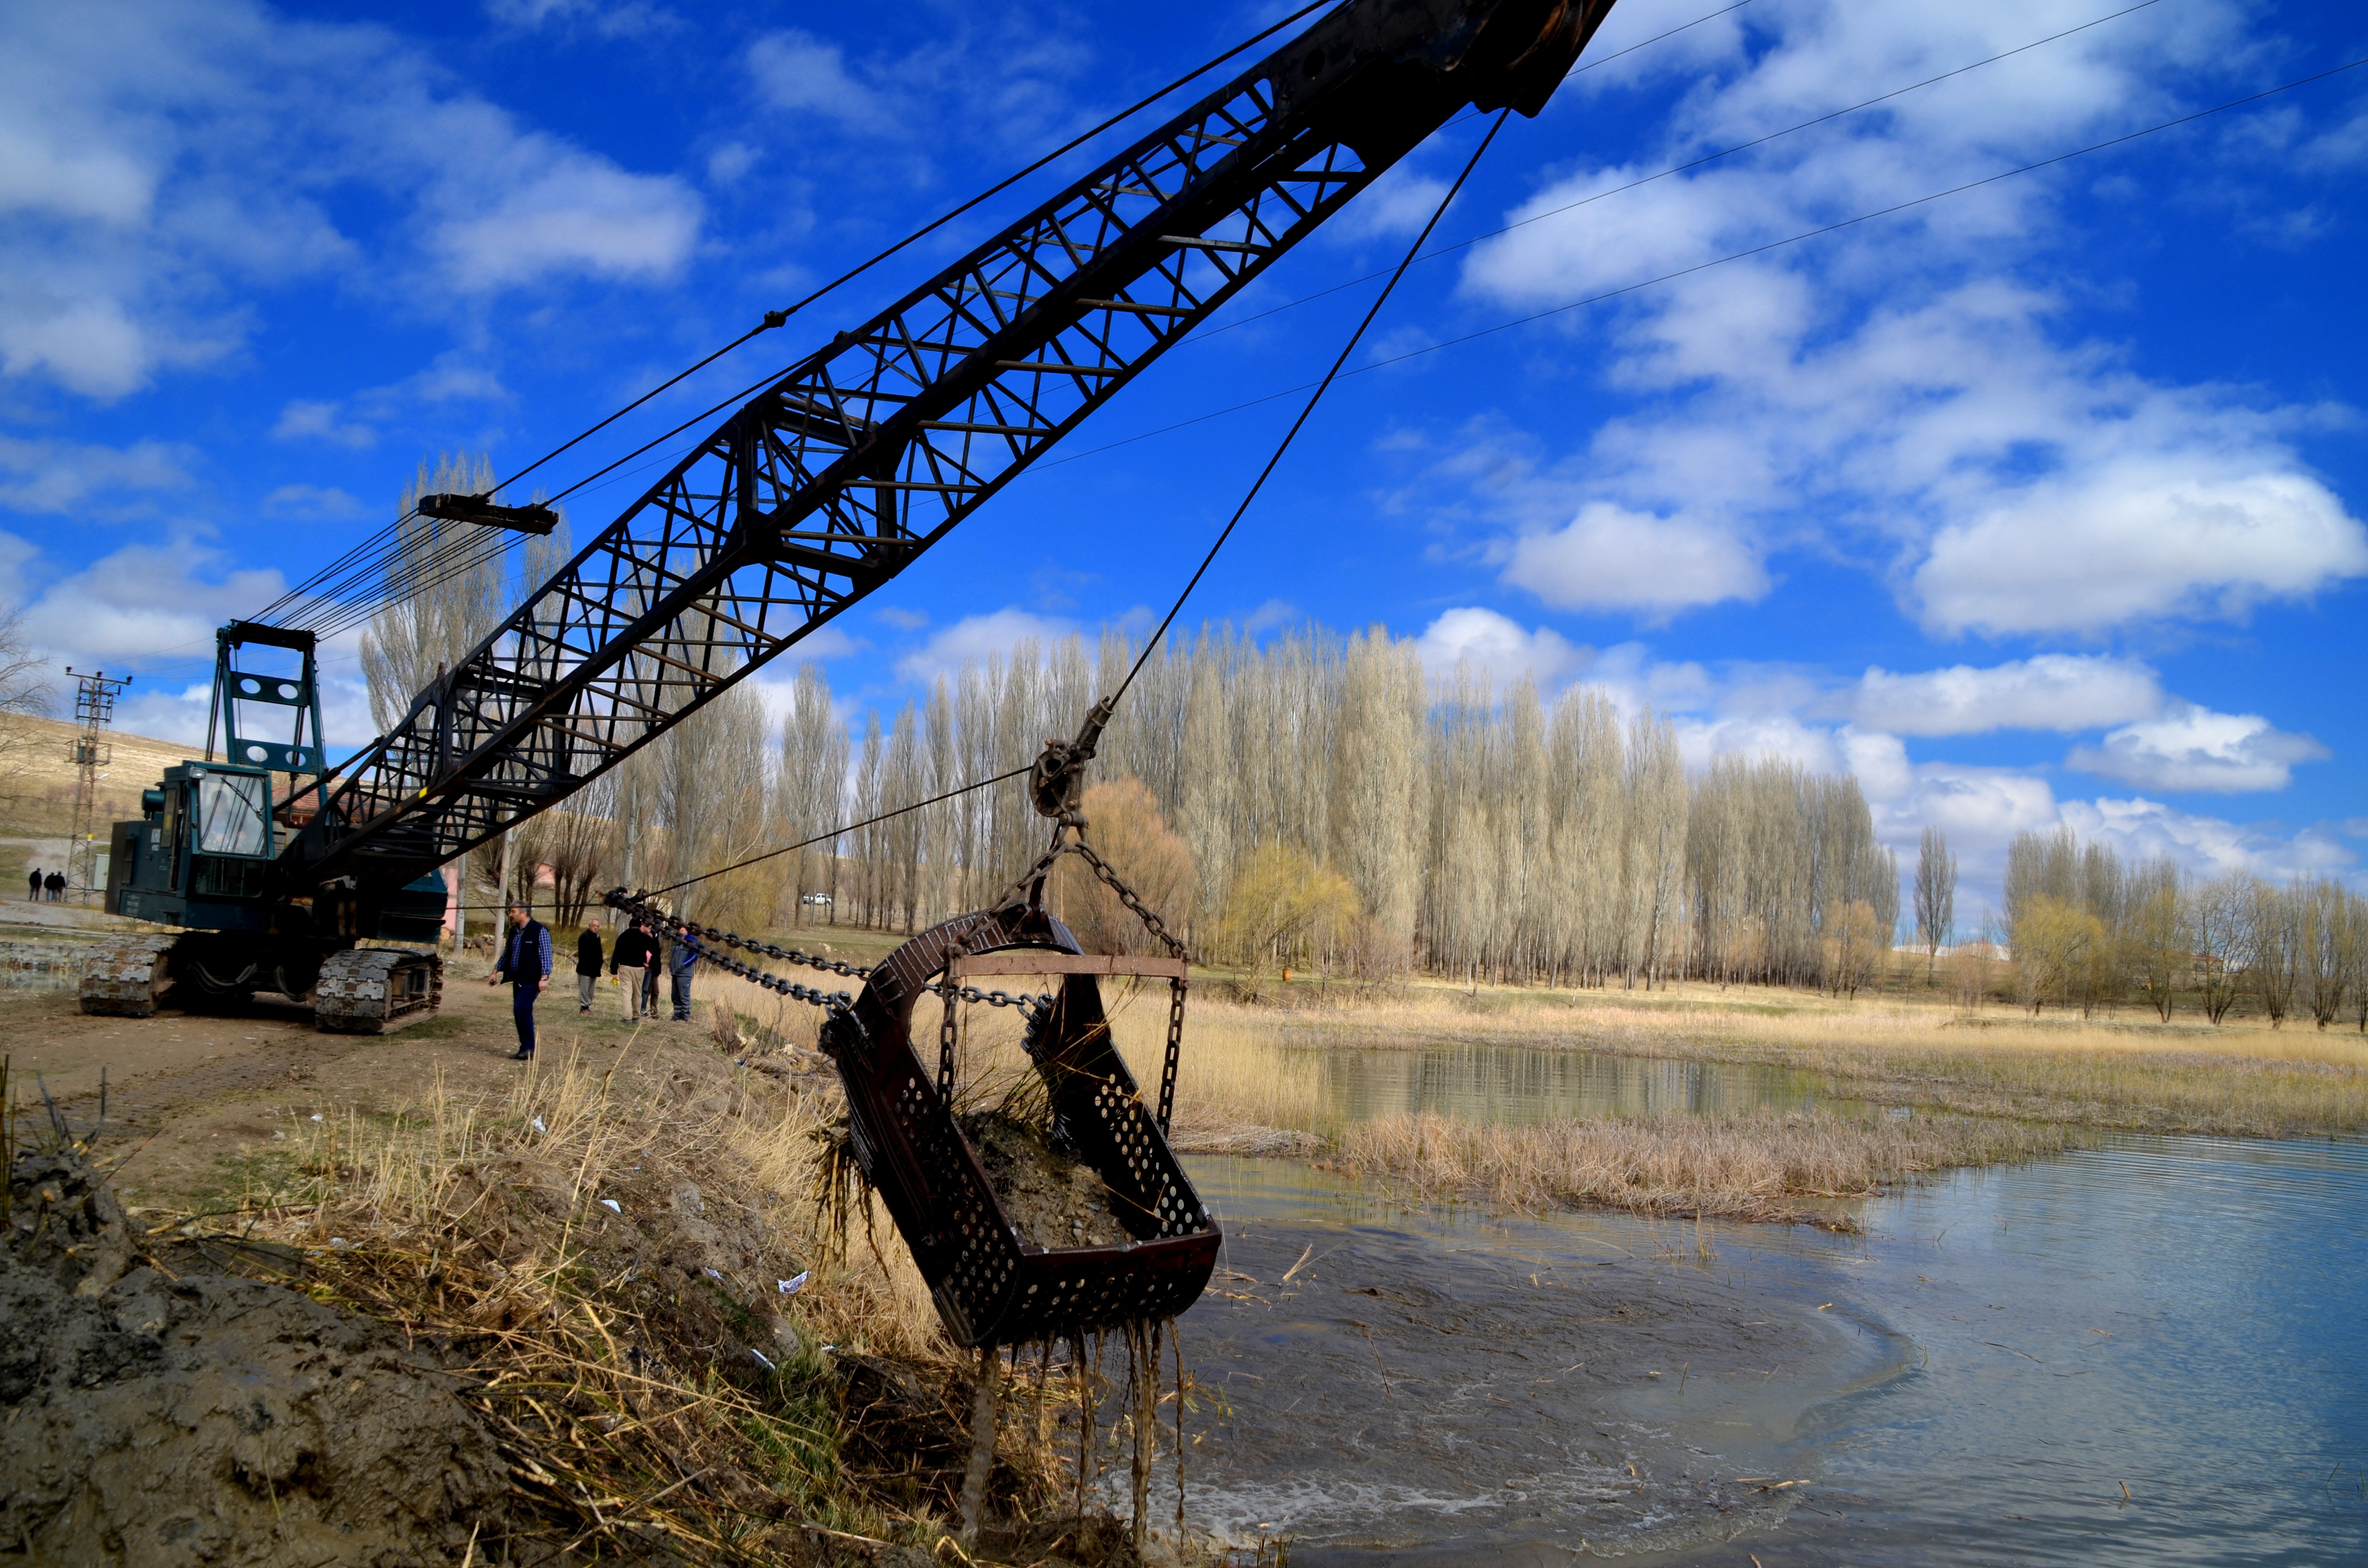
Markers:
1936,896
2219,921
25,693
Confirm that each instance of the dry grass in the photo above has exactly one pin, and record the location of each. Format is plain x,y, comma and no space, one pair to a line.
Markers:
657,1391
1755,1165
2236,1081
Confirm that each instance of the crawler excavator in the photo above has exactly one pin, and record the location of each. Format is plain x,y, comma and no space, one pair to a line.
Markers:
819,488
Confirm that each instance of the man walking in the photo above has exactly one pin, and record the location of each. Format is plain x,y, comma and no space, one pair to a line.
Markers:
630,963
680,956
525,964
587,964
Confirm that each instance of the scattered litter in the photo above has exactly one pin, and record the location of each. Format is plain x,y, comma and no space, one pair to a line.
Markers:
760,1358
539,1127
339,1241
791,1286
712,1275
316,1116
279,1135
826,1347
612,1206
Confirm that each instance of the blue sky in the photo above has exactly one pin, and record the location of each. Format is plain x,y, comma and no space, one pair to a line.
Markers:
2040,503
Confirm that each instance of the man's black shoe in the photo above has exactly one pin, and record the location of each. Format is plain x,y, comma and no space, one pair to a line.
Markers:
521,1055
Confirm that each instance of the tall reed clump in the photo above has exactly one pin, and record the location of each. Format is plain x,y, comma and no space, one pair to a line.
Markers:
1763,1165
610,1253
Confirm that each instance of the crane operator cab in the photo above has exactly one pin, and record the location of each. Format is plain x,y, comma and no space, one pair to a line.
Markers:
204,855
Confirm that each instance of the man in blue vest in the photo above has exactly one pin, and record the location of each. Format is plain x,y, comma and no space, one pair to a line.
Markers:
525,964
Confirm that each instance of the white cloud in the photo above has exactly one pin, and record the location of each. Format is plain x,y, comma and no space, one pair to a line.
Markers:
1902,393
1000,634
1492,644
2152,537
313,503
2052,691
305,419
146,601
800,73
2141,828
2192,748
1611,558
57,476
161,158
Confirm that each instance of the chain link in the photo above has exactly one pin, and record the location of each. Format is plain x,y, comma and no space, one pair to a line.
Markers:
696,933
1127,896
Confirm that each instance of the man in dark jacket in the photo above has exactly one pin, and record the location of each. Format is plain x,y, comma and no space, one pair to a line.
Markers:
525,964
33,881
587,964
680,956
56,883
630,963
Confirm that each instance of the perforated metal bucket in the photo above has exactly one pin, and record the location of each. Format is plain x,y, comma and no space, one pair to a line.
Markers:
991,1285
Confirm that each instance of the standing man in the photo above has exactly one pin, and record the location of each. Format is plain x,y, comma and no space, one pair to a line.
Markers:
650,974
33,881
56,882
630,964
680,956
525,964
587,964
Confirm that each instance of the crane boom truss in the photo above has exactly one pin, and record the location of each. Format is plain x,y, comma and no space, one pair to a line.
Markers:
838,475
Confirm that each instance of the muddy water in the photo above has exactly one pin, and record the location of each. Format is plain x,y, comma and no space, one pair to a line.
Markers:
1975,1380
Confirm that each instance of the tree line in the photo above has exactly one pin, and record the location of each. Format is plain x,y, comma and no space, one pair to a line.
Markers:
2086,928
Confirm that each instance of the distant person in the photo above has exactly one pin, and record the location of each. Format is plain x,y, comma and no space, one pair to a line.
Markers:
680,957
33,882
589,955
650,975
56,884
630,964
525,964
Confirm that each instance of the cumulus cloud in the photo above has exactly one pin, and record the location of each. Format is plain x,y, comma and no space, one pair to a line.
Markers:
1898,394
159,158
146,601
2192,748
2149,540
1609,558
999,634
1492,644
2053,691
313,503
2141,828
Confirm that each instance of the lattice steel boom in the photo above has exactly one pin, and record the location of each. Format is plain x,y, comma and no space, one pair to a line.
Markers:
834,479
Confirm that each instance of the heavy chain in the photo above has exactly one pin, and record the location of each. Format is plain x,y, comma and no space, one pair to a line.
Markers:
1127,896
698,935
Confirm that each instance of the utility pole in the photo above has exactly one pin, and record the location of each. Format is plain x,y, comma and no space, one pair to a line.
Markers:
94,711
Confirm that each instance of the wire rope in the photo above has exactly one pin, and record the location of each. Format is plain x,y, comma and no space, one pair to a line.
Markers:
773,319
1250,495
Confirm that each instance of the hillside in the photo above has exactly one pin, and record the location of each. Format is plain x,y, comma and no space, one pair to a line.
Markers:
37,774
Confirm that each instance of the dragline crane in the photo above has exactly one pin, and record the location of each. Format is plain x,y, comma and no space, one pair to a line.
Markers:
823,486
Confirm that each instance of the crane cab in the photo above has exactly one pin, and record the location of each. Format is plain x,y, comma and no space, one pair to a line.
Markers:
200,853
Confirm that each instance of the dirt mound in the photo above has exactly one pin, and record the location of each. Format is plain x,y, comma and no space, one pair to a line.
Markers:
1056,1199
207,1419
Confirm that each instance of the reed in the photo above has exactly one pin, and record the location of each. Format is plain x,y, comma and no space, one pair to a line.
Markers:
658,1391
2116,1074
1763,1165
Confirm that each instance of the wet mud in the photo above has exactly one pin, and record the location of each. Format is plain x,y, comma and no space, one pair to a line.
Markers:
1056,1199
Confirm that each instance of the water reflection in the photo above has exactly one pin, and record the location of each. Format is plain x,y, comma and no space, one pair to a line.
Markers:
2151,1351
1515,1087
